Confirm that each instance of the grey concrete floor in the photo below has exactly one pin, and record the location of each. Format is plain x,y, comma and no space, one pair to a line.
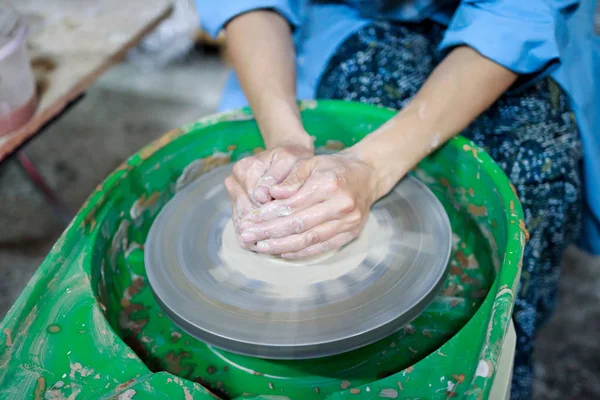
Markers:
129,107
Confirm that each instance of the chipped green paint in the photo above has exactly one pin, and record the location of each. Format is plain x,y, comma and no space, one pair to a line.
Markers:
86,326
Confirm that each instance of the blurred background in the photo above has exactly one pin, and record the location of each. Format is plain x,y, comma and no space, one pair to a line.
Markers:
174,76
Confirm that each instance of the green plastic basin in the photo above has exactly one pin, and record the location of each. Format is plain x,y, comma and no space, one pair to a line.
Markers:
87,326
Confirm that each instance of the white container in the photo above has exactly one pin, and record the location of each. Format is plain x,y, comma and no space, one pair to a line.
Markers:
17,84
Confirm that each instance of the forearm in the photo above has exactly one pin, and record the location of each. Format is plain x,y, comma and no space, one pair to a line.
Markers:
463,86
261,50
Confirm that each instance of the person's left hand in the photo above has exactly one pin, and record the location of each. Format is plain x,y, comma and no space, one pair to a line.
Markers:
321,206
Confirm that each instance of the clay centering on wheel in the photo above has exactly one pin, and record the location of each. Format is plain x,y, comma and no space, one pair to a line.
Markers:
268,307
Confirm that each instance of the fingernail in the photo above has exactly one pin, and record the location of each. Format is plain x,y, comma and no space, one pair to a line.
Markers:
261,194
262,246
248,237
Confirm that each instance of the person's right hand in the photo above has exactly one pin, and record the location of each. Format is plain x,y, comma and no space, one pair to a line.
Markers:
249,185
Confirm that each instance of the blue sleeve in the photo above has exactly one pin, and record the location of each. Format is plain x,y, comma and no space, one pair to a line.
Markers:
214,14
521,35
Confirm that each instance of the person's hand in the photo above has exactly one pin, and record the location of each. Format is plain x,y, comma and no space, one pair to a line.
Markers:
249,185
322,205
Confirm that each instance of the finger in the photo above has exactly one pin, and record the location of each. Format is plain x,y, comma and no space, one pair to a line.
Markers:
248,171
296,223
240,203
309,195
332,244
274,175
240,168
293,182
299,242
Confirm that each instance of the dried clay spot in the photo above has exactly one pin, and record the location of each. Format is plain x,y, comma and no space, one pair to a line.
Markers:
388,394
451,290
174,365
345,385
355,391
40,388
485,369
466,279
454,270
127,395
471,149
514,189
477,211
142,204
524,229
124,385
462,259
8,337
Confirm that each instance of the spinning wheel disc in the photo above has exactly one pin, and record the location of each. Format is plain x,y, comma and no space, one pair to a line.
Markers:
268,307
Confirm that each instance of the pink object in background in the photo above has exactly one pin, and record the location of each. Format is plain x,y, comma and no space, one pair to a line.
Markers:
18,100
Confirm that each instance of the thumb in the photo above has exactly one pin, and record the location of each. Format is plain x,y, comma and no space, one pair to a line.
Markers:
294,181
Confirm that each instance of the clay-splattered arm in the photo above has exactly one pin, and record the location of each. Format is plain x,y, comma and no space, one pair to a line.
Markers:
463,85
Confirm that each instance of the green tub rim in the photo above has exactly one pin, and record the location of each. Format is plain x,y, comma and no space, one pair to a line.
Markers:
503,290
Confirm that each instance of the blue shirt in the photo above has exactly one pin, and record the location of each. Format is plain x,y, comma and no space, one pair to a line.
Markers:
530,37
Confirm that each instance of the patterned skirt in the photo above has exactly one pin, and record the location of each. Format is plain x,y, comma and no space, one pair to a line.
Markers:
531,133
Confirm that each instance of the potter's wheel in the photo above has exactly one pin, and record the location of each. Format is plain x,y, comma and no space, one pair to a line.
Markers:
266,307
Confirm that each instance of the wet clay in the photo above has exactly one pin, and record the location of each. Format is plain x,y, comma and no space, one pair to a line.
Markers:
294,278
